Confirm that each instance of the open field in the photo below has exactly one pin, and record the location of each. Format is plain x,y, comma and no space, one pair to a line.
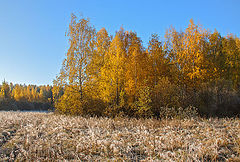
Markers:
45,136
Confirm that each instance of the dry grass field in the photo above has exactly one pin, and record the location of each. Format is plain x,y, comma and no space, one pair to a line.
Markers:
36,136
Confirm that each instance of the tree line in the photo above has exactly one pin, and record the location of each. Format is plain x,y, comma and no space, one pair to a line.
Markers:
25,97
188,71
110,75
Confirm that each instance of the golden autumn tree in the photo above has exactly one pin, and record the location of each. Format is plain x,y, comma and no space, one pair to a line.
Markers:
34,94
112,73
215,58
28,93
16,93
5,90
162,73
188,53
231,49
173,45
133,66
191,59
97,60
73,72
157,58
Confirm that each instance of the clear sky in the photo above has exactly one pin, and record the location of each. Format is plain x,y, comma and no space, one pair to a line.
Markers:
32,32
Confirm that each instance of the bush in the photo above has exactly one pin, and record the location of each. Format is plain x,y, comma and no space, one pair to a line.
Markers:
73,104
219,98
8,105
94,107
165,94
70,103
143,105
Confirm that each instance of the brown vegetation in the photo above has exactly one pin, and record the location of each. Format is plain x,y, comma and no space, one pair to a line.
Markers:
47,137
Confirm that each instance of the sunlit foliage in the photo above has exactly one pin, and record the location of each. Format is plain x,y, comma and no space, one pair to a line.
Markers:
22,97
189,67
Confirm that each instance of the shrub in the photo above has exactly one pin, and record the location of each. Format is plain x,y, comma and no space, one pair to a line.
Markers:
219,98
143,105
70,103
165,94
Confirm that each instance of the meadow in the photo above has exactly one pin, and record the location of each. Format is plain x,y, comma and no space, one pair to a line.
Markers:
37,136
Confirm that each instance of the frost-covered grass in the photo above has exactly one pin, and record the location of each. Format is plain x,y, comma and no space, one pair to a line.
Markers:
45,136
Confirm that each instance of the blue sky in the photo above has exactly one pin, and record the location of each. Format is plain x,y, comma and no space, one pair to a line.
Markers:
32,33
